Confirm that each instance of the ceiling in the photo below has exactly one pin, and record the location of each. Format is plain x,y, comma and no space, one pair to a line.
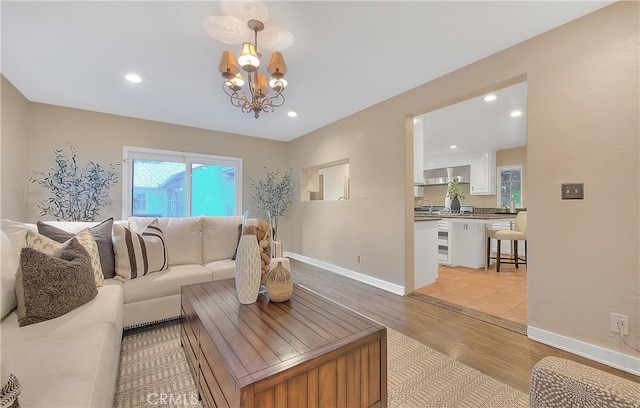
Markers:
475,126
346,55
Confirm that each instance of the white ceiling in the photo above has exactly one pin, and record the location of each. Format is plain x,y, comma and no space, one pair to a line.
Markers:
346,56
475,126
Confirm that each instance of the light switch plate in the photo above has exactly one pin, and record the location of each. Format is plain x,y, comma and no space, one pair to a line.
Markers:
573,191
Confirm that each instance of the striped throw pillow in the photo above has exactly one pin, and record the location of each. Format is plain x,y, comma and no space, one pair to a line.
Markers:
139,254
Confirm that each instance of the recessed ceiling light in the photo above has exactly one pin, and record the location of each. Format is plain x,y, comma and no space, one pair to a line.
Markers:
490,98
292,114
515,113
453,147
133,78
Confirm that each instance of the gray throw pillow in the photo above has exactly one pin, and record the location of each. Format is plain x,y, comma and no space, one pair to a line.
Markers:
101,233
235,253
48,286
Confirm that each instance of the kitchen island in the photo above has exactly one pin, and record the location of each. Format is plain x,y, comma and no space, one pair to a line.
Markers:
452,240
467,239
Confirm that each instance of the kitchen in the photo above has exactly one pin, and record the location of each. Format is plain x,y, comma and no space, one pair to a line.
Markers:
480,144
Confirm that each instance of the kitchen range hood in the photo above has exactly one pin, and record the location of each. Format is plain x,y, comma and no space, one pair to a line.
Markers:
435,177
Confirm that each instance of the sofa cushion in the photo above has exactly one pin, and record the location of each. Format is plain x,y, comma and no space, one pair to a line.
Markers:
48,286
139,254
220,237
183,237
106,307
16,231
41,243
75,368
62,231
164,283
222,269
10,262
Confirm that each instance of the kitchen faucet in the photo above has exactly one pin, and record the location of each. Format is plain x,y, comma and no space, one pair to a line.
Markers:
421,203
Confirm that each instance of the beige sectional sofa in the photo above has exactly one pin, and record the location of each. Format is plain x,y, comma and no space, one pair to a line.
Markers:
72,360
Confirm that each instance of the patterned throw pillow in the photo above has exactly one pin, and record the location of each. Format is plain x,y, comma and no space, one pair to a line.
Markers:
102,235
49,286
139,254
41,243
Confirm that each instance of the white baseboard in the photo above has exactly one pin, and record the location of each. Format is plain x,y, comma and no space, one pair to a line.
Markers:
369,280
602,355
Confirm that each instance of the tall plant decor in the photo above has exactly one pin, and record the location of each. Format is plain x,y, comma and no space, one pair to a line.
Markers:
273,194
76,192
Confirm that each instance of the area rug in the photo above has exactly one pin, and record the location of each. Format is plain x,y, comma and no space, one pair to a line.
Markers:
476,314
154,372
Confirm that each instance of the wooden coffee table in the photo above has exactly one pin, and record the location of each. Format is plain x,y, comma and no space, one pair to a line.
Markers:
306,352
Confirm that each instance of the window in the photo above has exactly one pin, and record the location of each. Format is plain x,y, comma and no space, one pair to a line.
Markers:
158,183
509,185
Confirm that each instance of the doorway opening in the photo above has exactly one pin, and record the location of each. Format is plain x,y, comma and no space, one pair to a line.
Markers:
487,132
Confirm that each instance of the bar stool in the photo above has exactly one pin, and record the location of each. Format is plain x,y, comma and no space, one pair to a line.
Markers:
519,233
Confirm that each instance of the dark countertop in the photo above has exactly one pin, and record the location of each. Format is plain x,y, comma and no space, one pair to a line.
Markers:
479,217
427,218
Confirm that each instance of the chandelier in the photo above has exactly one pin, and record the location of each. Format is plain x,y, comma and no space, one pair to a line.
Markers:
258,98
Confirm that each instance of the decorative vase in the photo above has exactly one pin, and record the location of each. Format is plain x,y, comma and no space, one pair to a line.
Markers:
258,225
279,284
455,204
447,202
248,267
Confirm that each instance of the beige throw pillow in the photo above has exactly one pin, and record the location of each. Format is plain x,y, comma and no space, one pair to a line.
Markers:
139,254
48,246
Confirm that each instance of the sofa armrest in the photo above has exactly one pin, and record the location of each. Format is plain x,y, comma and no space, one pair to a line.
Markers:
557,382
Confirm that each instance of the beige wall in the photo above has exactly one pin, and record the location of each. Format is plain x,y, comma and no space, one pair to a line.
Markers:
100,137
14,152
582,126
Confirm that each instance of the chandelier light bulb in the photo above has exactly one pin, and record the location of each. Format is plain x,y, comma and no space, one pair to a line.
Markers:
248,58
277,84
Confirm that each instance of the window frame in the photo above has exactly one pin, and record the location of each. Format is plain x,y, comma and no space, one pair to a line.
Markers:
499,171
130,153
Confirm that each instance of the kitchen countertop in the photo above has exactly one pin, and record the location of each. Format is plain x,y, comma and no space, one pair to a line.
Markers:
466,218
427,218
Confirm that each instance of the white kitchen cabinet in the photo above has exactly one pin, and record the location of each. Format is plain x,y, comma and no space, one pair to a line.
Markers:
466,244
483,174
425,252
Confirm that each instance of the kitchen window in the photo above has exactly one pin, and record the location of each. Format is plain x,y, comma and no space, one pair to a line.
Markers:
160,183
510,185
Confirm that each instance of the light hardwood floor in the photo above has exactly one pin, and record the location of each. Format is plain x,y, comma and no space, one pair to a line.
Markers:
500,353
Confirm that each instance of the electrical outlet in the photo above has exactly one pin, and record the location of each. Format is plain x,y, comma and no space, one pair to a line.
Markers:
357,258
620,324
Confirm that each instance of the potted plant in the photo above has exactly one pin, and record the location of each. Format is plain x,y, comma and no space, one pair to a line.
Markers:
76,192
455,193
273,194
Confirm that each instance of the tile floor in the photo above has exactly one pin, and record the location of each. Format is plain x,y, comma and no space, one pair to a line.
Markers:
501,294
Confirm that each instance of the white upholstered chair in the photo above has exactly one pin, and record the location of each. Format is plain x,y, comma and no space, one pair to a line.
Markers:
519,233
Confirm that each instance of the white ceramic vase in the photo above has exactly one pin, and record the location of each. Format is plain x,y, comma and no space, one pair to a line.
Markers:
447,202
247,272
